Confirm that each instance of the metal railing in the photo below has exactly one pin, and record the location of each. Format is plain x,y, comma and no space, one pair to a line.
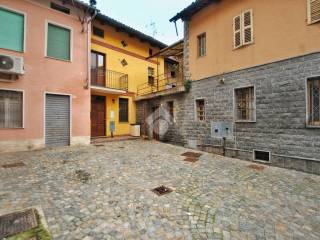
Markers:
161,83
109,79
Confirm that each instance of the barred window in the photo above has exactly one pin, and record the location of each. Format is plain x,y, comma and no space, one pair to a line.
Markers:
123,110
200,110
202,45
11,109
314,101
245,104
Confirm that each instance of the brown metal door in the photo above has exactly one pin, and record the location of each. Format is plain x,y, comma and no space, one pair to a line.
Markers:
98,116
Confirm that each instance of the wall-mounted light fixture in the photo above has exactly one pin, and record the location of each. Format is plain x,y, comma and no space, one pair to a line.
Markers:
124,43
124,62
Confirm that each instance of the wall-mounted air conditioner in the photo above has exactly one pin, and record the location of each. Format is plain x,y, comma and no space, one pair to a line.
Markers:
11,64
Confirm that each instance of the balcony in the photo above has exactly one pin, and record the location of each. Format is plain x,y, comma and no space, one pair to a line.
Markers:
107,81
163,85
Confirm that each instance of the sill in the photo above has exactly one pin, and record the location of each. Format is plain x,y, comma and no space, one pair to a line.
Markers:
261,161
245,121
312,127
123,122
59,59
15,51
199,57
314,22
17,128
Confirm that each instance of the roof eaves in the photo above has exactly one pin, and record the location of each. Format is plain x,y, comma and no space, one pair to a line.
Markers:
192,9
131,31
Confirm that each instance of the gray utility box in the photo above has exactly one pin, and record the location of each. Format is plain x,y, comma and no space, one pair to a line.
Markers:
222,130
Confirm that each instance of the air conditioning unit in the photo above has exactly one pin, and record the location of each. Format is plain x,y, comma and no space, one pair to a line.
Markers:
11,64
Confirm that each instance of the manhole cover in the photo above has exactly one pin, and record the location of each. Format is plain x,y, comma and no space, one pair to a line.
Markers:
162,190
14,165
256,167
14,223
191,159
191,154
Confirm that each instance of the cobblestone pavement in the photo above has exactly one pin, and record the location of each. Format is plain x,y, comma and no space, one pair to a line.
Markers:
215,198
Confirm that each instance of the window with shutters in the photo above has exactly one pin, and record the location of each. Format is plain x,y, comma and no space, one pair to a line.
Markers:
245,104
58,42
243,29
313,114
151,75
12,30
200,110
313,11
123,110
11,109
202,45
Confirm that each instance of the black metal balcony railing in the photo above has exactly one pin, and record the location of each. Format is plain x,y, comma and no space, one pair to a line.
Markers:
109,79
161,83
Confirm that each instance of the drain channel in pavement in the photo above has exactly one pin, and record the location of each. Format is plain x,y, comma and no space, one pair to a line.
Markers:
15,223
14,165
162,190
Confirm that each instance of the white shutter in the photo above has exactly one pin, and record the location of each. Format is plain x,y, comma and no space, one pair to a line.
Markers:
247,27
313,11
237,26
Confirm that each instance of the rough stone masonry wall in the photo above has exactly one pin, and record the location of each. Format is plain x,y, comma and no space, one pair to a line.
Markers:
280,125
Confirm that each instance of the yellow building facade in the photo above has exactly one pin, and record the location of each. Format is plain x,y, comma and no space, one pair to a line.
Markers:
119,64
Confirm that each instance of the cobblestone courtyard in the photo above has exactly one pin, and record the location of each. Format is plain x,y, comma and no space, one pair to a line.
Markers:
215,198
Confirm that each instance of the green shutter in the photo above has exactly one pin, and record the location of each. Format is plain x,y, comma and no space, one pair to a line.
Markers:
11,30
58,43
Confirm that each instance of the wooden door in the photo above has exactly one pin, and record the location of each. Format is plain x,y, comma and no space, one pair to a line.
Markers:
98,69
98,116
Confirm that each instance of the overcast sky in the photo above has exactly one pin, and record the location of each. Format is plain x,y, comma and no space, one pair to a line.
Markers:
148,16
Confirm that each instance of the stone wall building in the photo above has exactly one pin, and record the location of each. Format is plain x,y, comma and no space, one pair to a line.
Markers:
260,91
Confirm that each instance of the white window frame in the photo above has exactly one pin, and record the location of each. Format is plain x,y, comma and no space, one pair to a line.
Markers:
24,28
23,107
196,112
44,112
235,105
307,101
47,22
204,34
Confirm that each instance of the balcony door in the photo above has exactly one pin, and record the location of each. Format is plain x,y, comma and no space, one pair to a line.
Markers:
98,69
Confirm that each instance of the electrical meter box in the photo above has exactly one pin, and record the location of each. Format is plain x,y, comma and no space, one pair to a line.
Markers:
222,130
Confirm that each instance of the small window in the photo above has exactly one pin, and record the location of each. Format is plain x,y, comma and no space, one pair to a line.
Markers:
59,8
58,42
243,29
11,30
170,106
11,109
200,110
202,45
261,156
123,110
245,104
313,11
314,102
98,32
150,75
150,52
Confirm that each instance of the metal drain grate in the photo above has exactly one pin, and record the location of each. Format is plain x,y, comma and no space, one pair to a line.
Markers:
191,154
191,159
256,167
18,222
14,165
162,190
99,145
